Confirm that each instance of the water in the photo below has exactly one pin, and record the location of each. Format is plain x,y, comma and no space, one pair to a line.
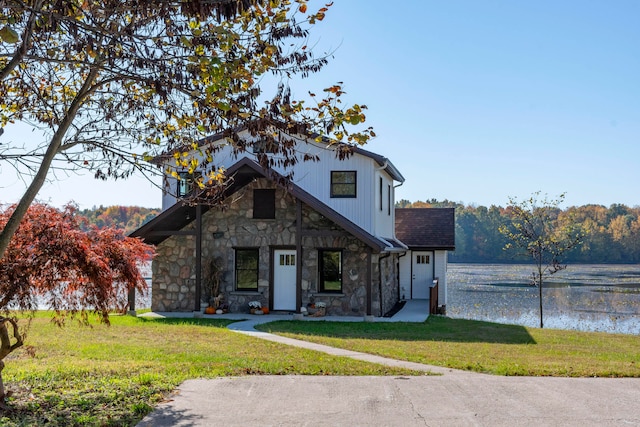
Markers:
582,297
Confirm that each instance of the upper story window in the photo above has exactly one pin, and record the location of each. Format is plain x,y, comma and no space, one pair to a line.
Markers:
380,179
343,183
264,146
264,204
185,184
389,200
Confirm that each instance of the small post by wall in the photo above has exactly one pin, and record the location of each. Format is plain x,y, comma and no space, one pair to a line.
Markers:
368,279
198,293
132,302
298,255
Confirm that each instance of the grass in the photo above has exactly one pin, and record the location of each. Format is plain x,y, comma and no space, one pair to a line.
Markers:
116,375
480,346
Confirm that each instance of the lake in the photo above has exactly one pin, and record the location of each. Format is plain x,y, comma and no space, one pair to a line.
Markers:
583,297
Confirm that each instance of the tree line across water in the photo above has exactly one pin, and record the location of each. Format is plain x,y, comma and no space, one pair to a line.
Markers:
128,218
612,235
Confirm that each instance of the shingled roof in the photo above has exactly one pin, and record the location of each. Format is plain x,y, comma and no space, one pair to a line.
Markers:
426,228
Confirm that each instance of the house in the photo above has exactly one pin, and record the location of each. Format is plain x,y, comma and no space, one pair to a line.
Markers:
327,235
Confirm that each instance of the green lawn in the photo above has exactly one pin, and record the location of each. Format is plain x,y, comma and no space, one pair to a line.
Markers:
480,346
115,375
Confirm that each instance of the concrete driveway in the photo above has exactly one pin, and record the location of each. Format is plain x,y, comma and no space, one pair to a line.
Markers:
448,400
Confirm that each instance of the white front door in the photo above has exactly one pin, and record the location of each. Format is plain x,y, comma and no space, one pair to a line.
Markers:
284,279
421,274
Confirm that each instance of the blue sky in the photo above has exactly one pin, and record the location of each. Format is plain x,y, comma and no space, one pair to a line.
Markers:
474,101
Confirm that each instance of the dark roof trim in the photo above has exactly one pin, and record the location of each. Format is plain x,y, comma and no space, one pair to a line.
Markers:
168,223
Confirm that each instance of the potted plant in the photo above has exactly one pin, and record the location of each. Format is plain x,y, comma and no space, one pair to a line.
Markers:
321,309
255,306
211,283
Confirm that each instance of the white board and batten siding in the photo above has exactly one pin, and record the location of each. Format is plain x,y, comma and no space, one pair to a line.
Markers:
384,205
315,178
223,158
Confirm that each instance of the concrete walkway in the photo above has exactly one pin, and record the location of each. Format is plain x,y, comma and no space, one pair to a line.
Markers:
413,311
416,310
453,398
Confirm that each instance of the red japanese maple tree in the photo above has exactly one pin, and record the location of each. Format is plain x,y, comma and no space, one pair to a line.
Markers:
56,261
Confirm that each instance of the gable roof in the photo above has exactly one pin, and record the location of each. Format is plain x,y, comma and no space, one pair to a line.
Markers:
426,228
382,161
242,173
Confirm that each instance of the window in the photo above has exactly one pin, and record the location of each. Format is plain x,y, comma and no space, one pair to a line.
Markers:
185,184
380,194
389,200
264,204
247,261
343,183
287,259
264,146
330,271
422,259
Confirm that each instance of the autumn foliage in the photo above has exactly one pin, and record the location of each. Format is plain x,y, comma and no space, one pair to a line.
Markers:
612,234
55,260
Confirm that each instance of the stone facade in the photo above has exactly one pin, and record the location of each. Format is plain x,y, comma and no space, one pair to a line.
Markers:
173,284
388,281
232,226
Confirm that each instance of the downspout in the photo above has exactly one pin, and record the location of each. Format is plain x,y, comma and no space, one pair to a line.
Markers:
393,219
398,272
384,166
380,258
394,236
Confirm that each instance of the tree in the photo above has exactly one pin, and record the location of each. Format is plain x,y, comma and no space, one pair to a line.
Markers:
113,83
127,218
52,262
536,230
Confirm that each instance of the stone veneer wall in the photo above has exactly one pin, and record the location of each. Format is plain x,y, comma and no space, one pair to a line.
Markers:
389,281
173,278
232,226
